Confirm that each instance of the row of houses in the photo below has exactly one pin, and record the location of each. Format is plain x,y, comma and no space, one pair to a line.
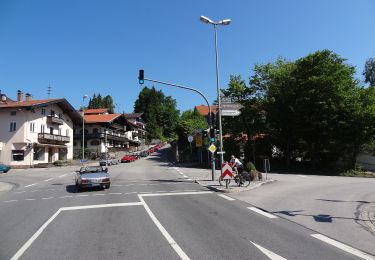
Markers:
43,131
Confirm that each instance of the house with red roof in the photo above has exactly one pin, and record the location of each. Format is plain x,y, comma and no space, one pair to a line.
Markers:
105,132
36,131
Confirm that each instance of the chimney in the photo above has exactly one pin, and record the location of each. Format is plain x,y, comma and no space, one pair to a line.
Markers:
28,97
19,96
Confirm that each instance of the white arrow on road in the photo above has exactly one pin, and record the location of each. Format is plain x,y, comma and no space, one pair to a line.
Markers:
268,253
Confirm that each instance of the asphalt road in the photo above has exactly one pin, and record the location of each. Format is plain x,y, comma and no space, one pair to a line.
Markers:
150,212
339,207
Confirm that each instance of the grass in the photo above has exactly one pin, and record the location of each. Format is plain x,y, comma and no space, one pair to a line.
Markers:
357,173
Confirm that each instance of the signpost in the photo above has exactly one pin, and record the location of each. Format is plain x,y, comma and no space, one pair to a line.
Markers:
190,139
230,112
231,106
227,173
212,148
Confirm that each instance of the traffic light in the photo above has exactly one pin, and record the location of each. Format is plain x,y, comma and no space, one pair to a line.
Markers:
141,76
212,135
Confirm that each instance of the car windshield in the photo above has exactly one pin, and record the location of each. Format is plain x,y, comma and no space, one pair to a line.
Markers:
91,169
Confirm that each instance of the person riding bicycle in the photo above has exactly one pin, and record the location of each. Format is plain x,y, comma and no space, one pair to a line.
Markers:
236,164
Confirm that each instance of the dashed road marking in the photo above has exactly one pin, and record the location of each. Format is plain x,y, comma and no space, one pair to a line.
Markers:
343,247
35,190
115,193
63,197
271,255
10,201
99,194
62,175
83,195
48,179
20,191
29,199
225,197
30,185
262,212
47,198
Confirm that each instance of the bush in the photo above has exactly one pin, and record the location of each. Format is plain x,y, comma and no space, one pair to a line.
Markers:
58,163
250,167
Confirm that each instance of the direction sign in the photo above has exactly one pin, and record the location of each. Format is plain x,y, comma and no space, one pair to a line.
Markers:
231,106
227,171
212,148
190,138
230,112
198,140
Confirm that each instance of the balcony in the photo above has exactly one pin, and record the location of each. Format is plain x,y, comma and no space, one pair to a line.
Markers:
54,120
49,138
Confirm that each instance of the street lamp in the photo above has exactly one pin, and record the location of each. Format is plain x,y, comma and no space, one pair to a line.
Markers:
215,24
83,128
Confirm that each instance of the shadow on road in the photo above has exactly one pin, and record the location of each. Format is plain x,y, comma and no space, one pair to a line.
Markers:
73,189
356,201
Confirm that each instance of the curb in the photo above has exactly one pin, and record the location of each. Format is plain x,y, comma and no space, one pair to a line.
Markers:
229,191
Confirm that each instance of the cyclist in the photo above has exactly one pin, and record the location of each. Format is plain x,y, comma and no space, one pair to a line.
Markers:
236,164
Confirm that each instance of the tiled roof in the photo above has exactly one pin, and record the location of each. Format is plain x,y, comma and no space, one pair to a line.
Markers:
96,111
203,110
29,103
104,118
133,115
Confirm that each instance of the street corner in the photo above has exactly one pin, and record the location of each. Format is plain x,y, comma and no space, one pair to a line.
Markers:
233,188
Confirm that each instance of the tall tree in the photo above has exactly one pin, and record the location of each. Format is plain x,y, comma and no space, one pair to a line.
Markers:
98,102
369,71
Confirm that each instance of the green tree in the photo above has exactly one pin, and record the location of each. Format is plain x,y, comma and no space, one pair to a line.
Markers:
369,71
98,102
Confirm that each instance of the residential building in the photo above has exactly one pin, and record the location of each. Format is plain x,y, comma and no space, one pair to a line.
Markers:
204,111
106,132
36,132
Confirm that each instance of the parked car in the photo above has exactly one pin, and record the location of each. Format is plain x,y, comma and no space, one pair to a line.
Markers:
92,176
108,161
129,158
143,153
4,168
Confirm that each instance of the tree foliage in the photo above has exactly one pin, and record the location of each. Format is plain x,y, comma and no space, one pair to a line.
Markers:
97,101
312,108
369,71
159,112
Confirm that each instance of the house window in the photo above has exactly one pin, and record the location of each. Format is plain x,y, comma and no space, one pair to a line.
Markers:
39,153
18,155
42,128
95,130
13,113
43,111
12,127
52,112
32,127
51,130
67,132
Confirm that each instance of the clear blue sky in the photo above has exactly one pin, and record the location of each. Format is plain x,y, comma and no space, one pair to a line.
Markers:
86,46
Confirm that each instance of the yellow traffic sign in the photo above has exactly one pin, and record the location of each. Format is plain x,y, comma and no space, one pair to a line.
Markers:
212,148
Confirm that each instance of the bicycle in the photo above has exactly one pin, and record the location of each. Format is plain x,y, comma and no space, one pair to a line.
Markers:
241,179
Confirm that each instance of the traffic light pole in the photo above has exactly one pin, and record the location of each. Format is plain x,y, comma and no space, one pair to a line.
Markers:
200,93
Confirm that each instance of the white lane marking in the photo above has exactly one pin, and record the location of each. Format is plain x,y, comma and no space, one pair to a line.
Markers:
35,236
191,190
100,194
20,191
30,185
47,198
175,193
146,192
48,179
35,190
268,253
115,193
343,247
303,176
181,173
83,195
29,242
225,197
164,232
185,176
104,206
51,189
189,179
62,175
10,201
63,197
29,199
259,211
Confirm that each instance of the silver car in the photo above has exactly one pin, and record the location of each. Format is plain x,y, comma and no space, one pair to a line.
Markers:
92,176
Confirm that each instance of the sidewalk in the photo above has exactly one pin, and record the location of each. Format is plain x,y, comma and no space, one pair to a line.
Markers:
204,178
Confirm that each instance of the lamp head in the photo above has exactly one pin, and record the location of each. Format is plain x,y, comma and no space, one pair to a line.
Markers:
204,19
225,22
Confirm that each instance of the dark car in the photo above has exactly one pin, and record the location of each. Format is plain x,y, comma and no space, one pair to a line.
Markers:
92,176
4,168
143,153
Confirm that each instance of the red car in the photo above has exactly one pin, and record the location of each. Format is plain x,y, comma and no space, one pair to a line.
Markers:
128,158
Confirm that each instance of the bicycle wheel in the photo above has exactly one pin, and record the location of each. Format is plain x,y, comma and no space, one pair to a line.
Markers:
245,179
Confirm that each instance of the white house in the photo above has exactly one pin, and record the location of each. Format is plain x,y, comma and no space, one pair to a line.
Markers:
36,131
